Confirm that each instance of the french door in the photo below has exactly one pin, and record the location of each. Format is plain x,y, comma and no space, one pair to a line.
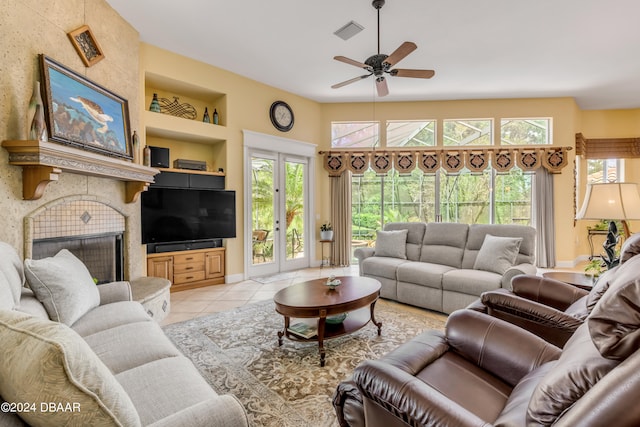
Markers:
279,212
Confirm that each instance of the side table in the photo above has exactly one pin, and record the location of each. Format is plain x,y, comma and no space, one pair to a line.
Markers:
590,233
579,280
322,259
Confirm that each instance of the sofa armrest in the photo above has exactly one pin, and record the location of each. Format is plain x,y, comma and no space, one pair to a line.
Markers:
114,292
488,342
555,326
219,411
516,270
546,291
364,253
408,398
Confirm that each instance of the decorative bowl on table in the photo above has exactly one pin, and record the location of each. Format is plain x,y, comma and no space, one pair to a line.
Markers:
333,283
337,319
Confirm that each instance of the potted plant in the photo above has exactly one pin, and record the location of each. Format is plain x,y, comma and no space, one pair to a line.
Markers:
594,267
326,231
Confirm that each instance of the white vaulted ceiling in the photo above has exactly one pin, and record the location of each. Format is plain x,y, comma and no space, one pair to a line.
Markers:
585,49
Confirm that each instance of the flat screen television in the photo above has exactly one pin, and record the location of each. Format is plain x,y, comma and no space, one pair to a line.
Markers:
171,215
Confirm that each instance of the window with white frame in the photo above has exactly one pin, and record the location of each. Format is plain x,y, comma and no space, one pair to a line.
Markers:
603,170
464,197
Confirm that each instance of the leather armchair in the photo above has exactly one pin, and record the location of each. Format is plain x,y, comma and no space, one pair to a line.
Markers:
483,371
550,309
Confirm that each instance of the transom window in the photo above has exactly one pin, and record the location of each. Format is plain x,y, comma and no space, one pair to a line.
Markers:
355,134
415,133
467,132
525,131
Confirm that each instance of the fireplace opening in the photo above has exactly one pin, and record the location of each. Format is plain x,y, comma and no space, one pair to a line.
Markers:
102,254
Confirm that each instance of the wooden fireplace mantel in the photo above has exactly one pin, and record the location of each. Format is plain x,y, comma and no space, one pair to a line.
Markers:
43,162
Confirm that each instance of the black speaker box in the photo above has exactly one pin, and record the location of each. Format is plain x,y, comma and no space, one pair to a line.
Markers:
159,157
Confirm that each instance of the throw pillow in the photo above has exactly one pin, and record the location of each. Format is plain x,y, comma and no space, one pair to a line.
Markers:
392,244
497,254
47,362
63,285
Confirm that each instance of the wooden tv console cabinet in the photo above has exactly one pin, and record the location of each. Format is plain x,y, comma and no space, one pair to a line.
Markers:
188,269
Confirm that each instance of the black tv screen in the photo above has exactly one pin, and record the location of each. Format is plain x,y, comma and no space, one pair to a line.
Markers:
178,215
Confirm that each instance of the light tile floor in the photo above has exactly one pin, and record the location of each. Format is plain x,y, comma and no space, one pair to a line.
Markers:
193,303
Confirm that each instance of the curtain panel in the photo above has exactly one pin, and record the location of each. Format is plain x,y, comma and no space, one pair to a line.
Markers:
341,219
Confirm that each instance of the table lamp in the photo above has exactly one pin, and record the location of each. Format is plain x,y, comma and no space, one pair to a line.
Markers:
612,200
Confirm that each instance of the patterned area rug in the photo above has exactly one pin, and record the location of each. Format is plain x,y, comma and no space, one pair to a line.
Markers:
237,352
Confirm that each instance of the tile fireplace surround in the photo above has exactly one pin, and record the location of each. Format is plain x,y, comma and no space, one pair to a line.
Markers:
72,217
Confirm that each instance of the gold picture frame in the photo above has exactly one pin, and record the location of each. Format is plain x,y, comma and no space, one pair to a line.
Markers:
86,45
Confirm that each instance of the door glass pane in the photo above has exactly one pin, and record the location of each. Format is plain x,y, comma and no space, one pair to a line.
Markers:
294,208
262,205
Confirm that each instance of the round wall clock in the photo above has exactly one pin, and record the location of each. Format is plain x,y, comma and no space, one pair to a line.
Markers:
281,116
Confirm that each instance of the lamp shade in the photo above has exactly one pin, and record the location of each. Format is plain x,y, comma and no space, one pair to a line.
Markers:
612,200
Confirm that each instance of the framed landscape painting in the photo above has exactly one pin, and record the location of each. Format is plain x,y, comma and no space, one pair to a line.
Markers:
84,114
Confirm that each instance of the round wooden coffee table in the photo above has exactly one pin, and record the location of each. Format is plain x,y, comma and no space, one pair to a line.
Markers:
314,299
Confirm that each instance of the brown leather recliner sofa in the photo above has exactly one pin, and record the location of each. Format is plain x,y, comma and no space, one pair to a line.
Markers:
483,371
550,309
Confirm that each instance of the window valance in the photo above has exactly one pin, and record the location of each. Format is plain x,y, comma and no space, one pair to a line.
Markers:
607,148
451,160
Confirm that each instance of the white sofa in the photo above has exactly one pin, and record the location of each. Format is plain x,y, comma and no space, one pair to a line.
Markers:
93,354
443,266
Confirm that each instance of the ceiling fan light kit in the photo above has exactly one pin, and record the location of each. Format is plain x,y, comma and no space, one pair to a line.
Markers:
377,65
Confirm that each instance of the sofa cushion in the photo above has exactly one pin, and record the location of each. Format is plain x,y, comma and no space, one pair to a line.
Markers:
599,288
578,369
60,368
391,244
415,235
497,254
471,282
422,273
110,316
6,295
444,243
131,345
12,272
64,286
514,412
614,323
630,248
29,304
164,386
381,267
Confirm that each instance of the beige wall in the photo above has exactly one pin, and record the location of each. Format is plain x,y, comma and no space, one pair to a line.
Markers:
607,124
29,27
32,27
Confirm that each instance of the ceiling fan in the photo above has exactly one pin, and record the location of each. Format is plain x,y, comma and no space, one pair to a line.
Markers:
379,64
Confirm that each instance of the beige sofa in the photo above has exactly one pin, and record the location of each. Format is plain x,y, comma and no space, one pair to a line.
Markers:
77,354
447,266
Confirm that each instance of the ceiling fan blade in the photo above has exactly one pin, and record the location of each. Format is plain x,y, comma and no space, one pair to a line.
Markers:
381,86
348,82
405,49
418,74
351,62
